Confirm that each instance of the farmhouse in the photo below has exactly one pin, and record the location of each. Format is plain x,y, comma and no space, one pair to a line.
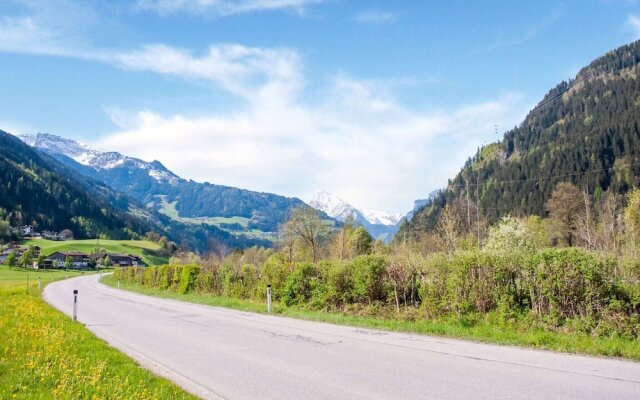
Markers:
79,260
118,260
18,250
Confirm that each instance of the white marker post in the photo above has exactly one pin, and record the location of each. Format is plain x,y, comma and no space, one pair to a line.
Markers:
39,284
75,305
269,299
118,283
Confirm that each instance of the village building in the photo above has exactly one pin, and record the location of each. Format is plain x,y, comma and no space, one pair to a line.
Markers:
78,259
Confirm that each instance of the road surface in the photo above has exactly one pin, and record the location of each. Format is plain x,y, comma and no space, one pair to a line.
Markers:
220,353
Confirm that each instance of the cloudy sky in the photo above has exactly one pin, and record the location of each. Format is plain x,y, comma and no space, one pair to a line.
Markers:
379,102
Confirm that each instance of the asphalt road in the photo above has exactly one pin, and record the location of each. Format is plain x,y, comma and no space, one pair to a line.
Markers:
220,353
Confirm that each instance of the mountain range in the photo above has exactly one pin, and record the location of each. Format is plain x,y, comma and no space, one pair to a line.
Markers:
243,213
240,212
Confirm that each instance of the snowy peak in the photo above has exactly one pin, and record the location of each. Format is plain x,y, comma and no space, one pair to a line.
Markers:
95,159
79,152
333,205
381,217
337,208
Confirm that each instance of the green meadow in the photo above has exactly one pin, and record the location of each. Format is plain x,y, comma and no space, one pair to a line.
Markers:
44,355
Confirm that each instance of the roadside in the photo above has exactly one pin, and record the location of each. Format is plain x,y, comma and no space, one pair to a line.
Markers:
487,329
45,355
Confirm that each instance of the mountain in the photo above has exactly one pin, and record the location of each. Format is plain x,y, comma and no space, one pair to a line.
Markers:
36,190
379,224
242,213
584,131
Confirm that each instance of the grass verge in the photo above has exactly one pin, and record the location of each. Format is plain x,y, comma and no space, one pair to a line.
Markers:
487,328
44,355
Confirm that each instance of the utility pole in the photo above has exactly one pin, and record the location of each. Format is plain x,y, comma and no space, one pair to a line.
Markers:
468,210
478,205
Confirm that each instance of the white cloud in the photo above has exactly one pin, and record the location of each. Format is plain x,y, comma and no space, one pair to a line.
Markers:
248,72
633,23
369,149
222,7
376,17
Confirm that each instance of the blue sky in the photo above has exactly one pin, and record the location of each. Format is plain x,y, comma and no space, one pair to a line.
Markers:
379,102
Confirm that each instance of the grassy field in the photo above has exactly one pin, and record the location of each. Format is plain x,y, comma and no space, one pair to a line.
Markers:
142,248
169,209
44,355
487,329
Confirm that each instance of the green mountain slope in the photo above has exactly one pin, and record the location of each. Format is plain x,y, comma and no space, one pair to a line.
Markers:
584,131
34,190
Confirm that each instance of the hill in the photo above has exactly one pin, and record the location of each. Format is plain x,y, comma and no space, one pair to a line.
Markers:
584,131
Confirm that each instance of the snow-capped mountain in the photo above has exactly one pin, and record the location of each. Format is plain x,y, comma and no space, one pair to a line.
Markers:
379,224
334,206
79,152
381,217
339,209
83,154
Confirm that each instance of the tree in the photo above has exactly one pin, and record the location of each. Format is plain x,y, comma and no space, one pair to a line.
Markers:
448,228
360,241
26,259
511,234
5,231
340,245
11,260
40,259
351,241
632,219
66,234
306,225
107,262
565,208
68,262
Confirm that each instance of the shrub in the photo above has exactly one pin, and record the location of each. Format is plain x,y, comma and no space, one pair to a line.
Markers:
188,277
370,280
302,284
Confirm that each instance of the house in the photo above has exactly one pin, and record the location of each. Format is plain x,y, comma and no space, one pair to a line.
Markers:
79,260
18,250
118,260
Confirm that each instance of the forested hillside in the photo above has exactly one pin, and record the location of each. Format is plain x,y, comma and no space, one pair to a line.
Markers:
583,132
35,191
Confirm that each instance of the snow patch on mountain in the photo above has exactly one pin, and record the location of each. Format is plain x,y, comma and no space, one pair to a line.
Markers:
381,217
98,160
79,152
339,209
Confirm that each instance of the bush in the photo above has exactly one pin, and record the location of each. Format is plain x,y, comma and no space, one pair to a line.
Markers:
188,277
370,282
302,285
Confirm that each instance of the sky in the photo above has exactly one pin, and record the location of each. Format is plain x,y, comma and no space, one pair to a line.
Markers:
379,102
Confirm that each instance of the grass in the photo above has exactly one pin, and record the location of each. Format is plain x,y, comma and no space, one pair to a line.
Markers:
169,209
485,329
44,355
142,248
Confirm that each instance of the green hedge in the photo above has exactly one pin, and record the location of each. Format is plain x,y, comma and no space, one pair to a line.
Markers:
557,287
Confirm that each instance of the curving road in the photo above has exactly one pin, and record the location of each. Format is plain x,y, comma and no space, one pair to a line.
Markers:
220,353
